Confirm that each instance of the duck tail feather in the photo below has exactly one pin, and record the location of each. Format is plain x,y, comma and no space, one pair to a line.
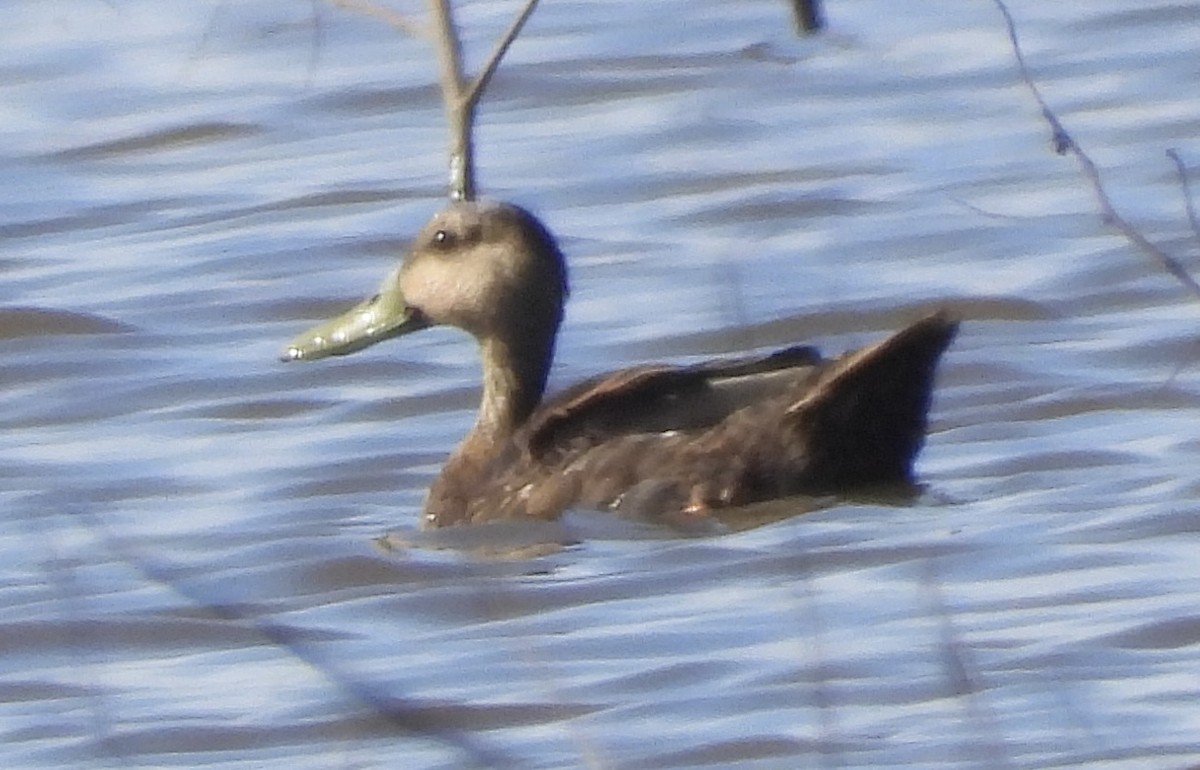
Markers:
864,420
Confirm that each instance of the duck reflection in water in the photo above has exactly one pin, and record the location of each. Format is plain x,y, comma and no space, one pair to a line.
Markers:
667,441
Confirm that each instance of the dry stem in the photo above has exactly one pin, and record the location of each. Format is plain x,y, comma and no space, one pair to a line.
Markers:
1063,143
397,20
459,99
1187,192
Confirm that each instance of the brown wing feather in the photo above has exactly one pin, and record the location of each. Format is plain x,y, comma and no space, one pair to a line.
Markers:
660,398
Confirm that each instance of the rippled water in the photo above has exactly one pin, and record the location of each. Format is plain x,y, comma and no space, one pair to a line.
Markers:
188,567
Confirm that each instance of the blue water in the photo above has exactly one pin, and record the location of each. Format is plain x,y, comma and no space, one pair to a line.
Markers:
189,572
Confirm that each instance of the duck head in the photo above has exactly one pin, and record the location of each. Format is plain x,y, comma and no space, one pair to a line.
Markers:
489,268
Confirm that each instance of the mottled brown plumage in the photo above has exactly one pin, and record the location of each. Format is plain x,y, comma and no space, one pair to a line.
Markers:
661,440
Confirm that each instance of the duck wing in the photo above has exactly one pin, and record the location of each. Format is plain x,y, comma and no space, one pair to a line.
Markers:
662,398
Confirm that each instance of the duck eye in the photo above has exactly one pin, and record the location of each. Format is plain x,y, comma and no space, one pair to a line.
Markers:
443,239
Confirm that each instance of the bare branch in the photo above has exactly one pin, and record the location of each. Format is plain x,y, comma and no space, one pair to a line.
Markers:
489,69
448,48
1062,140
458,99
314,53
1187,191
397,20
460,113
1063,143
199,49
964,677
808,15
404,714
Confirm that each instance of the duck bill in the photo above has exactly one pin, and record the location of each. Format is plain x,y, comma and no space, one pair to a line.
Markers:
375,319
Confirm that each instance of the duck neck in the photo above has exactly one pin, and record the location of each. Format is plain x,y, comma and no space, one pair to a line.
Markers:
514,378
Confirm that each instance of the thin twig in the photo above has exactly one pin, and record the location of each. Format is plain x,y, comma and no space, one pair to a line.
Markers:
489,69
1062,140
414,716
460,114
964,678
199,49
449,48
1063,143
809,16
458,99
1187,191
314,55
394,18
828,754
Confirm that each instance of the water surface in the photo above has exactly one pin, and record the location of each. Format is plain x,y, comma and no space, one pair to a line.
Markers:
188,568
